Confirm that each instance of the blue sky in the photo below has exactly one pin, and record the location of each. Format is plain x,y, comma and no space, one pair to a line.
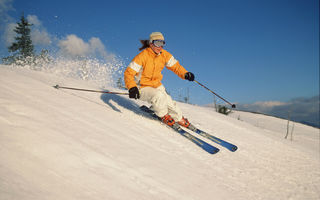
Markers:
244,50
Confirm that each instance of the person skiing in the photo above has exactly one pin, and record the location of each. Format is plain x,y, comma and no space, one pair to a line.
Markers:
143,79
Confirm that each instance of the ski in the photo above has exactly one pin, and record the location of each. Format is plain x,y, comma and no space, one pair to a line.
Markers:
205,146
217,140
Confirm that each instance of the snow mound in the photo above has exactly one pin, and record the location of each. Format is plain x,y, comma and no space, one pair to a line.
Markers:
62,144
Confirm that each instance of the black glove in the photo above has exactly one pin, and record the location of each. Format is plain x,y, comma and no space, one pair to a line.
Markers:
189,76
134,93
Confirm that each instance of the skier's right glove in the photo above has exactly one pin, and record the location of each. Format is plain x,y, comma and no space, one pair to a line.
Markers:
134,93
189,76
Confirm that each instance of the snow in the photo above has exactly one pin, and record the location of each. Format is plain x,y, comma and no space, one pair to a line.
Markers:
63,144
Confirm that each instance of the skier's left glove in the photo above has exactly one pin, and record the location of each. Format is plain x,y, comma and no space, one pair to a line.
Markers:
189,76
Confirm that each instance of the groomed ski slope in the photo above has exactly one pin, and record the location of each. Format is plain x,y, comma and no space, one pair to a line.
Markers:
60,144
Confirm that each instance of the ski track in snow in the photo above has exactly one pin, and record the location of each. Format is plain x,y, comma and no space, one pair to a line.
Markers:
62,144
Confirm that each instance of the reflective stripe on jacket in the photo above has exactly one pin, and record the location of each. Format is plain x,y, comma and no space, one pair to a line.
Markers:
146,67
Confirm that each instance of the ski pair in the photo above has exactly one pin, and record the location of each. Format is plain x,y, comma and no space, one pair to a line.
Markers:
205,146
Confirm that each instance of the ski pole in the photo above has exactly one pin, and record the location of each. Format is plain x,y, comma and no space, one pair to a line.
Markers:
232,105
79,89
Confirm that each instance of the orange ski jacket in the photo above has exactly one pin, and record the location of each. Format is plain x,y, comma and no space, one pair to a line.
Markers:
145,69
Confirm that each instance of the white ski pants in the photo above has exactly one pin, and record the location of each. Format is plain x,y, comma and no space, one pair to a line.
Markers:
161,102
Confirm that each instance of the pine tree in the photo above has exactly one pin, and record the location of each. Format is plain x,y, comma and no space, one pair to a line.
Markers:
223,110
22,48
120,84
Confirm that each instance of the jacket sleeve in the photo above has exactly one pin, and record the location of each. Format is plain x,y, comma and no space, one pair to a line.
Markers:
132,70
174,65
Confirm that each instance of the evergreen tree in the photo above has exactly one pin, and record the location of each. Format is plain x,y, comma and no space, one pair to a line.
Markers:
22,48
120,85
223,110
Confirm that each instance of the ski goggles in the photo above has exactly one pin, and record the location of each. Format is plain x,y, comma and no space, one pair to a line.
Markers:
158,43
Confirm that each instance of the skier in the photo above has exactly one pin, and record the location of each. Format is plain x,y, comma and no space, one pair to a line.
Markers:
144,73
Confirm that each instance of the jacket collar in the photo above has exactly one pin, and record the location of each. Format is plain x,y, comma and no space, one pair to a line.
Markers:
151,52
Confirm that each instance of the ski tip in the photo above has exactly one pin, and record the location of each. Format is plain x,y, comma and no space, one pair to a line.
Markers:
211,149
234,148
214,151
56,86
